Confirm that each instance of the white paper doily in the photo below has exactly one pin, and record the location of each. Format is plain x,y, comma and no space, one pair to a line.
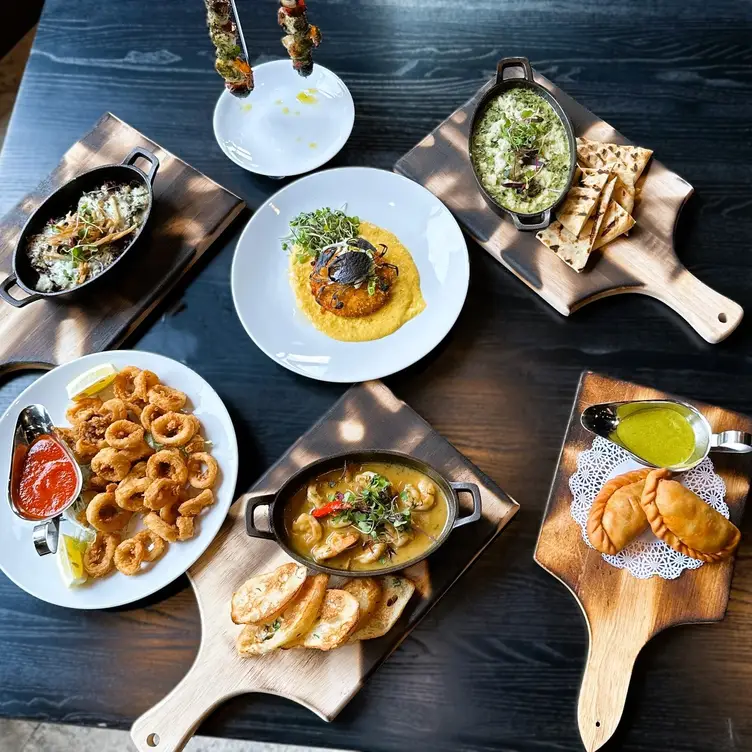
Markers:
646,556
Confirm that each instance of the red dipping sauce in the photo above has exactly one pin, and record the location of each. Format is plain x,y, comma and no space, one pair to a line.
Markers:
47,480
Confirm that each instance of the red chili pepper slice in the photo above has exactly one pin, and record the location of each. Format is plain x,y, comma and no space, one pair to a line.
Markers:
331,508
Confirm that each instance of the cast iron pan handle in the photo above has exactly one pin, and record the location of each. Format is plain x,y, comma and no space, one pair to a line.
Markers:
473,489
513,62
5,286
535,224
250,524
149,157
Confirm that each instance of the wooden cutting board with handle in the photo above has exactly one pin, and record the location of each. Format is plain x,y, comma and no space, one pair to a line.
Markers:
189,213
622,613
644,262
368,416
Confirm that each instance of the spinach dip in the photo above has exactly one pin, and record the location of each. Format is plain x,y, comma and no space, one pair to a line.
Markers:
520,151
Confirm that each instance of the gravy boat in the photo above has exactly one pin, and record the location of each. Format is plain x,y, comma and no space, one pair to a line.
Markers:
32,422
603,419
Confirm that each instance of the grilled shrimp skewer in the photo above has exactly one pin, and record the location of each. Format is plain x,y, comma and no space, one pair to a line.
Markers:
301,36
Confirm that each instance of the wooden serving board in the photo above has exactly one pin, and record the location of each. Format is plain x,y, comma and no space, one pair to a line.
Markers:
622,612
644,262
368,416
189,212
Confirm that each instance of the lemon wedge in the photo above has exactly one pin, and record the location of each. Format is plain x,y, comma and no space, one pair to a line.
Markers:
92,381
70,559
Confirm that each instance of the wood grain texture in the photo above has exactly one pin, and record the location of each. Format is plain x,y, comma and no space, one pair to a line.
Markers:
644,261
368,416
622,612
189,212
501,655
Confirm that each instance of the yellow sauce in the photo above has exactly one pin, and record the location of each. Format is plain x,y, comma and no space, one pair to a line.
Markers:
285,110
405,302
312,145
659,435
246,107
307,96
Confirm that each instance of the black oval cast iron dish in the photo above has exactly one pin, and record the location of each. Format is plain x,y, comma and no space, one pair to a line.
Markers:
539,220
63,200
276,504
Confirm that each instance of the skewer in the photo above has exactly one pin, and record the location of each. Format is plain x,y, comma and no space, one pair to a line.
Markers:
233,62
301,36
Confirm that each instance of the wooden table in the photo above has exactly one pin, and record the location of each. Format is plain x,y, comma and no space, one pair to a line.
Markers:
496,666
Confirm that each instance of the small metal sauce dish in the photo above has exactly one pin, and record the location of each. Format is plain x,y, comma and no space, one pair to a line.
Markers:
32,422
603,419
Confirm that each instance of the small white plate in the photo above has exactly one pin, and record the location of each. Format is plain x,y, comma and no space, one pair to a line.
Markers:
39,575
266,304
272,132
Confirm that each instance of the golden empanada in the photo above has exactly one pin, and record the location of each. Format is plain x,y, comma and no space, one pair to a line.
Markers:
616,517
684,521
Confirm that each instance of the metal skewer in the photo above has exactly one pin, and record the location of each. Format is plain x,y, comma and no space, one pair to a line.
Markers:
239,29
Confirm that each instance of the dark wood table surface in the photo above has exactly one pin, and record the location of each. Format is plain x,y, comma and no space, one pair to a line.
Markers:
496,666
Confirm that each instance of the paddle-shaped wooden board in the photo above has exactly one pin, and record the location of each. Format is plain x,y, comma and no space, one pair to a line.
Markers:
644,262
190,211
367,416
622,612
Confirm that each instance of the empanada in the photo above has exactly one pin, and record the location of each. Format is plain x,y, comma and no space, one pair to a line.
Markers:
684,521
616,517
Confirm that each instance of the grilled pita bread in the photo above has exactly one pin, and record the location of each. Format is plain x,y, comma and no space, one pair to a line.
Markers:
624,196
582,198
569,248
615,223
337,618
593,225
290,625
628,162
263,596
397,591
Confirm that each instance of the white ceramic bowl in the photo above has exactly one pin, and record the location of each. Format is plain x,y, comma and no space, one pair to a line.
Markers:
265,302
272,132
39,575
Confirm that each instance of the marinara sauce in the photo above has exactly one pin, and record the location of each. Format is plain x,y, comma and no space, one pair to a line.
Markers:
47,479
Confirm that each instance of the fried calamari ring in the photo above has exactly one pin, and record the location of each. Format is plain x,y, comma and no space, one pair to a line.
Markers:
161,492
149,414
86,450
186,528
129,556
167,398
143,383
169,464
174,429
196,444
90,430
74,412
130,494
169,512
137,471
110,464
138,452
124,384
68,435
123,434
97,483
104,514
133,411
154,546
114,409
198,477
159,527
99,554
193,506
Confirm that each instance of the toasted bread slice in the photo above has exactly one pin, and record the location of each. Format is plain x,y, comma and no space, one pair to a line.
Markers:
335,622
294,621
265,595
396,592
367,591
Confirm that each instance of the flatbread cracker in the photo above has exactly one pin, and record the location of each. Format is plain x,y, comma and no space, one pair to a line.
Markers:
628,162
397,591
570,249
582,198
263,596
290,625
615,223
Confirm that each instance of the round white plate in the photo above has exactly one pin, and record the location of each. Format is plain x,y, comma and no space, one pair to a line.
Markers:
39,575
266,304
272,132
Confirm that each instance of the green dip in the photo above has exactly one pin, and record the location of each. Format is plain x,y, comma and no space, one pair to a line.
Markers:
659,435
520,151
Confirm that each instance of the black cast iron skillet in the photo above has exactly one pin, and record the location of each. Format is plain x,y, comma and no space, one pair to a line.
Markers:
63,200
540,220
276,503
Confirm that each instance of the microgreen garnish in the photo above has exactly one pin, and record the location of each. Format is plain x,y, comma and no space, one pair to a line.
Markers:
311,232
